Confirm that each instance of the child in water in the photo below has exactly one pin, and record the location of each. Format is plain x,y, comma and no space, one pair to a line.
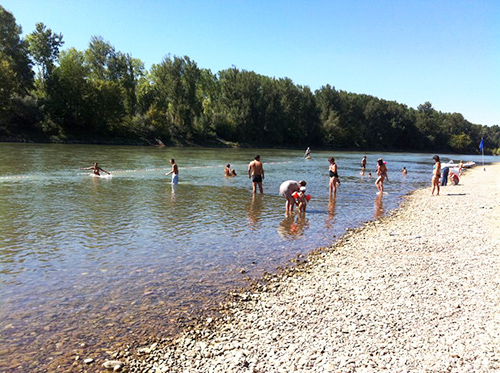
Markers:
382,175
301,200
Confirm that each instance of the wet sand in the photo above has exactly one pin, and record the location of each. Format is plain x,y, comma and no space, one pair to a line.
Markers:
418,290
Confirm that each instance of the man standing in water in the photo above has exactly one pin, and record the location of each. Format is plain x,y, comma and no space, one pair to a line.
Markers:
256,173
174,172
363,165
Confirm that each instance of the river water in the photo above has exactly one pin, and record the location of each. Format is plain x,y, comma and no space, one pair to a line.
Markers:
89,264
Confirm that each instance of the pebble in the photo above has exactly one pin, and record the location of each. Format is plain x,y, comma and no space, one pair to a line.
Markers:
414,291
113,364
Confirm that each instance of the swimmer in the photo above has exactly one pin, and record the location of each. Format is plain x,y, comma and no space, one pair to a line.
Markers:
228,171
287,188
256,173
174,172
95,169
404,171
334,176
382,175
436,172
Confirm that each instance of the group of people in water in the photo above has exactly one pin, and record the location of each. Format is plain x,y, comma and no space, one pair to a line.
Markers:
295,191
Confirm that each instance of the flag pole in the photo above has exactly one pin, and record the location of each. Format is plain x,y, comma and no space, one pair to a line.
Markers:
482,152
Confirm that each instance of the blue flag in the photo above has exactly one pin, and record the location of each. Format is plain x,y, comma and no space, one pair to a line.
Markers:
481,145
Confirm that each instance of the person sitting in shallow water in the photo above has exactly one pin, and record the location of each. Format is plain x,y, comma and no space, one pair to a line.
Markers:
95,169
228,171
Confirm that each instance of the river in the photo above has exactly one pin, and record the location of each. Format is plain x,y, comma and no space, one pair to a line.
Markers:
89,264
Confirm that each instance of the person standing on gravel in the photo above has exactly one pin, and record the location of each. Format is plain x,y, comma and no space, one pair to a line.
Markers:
436,172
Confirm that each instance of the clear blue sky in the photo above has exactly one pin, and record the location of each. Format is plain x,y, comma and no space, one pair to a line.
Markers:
443,51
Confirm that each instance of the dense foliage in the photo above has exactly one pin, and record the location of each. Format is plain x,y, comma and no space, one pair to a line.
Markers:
103,95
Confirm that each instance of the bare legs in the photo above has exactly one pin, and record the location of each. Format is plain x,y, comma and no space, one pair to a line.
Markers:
435,184
334,182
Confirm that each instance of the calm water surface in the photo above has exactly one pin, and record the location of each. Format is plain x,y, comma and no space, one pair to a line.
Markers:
102,261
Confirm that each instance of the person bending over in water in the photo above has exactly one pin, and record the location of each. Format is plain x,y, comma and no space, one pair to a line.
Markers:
436,172
174,172
287,188
95,169
256,173
228,171
382,175
334,176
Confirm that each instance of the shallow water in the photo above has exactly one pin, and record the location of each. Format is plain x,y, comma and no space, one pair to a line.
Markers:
102,261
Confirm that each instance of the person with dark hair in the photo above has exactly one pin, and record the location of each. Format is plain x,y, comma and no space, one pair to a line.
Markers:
174,172
382,175
256,173
228,171
436,172
95,169
287,188
363,165
334,176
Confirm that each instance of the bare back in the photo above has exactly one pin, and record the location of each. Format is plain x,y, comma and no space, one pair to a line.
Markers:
255,168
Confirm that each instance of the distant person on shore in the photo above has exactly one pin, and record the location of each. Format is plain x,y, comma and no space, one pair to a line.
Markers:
334,176
228,171
256,173
460,168
174,172
444,177
287,188
404,171
436,172
363,165
382,175
95,169
308,153
301,200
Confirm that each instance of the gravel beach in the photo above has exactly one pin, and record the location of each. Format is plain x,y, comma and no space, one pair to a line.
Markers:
416,291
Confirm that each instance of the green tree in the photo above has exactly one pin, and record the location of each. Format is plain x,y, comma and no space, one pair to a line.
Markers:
14,53
44,46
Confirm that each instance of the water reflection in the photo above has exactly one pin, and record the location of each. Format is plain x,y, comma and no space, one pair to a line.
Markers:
174,190
255,209
101,250
331,211
293,225
379,206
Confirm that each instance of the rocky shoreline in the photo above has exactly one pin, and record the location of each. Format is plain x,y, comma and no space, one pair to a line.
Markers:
418,290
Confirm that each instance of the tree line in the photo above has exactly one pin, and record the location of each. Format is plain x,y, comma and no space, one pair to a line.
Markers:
102,95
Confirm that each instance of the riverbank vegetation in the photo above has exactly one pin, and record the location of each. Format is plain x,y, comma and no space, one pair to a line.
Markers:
101,95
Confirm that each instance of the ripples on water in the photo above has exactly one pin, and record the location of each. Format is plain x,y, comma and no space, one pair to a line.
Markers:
104,259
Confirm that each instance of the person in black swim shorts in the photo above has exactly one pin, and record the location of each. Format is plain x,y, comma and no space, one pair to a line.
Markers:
256,173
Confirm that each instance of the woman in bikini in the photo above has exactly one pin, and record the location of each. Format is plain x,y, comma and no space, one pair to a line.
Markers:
334,177
436,172
382,175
